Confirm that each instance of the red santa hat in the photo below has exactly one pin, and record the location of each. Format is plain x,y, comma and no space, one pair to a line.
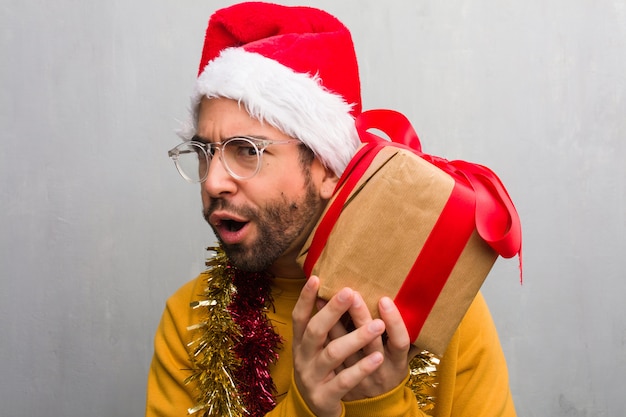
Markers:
291,67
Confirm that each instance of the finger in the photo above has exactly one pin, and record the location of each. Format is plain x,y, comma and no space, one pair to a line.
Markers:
352,376
320,303
413,352
314,335
398,341
339,350
301,313
339,330
359,311
330,312
361,316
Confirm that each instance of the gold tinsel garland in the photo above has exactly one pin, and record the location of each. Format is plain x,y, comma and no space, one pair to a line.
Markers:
213,360
422,378
215,363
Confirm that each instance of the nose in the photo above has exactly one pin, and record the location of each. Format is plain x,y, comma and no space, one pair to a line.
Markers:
218,181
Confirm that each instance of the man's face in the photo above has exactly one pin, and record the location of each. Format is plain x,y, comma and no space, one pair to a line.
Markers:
262,221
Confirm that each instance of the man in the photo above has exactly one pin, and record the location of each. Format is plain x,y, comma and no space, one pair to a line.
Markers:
271,130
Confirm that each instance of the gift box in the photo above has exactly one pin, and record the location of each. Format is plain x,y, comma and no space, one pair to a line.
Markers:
419,229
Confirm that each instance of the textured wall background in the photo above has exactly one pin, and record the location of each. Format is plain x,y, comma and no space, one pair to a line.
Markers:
97,229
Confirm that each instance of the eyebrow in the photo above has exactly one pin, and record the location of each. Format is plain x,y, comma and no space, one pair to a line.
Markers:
198,138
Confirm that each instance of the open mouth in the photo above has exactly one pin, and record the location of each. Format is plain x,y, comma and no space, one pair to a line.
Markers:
232,229
232,225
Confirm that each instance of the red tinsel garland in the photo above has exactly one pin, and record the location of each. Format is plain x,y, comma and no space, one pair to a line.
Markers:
236,343
257,345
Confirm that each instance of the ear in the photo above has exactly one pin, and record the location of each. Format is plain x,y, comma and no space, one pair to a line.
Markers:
328,183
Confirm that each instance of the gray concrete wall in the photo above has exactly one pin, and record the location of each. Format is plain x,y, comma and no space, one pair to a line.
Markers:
97,229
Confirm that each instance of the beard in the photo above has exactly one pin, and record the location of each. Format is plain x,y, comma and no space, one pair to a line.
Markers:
279,224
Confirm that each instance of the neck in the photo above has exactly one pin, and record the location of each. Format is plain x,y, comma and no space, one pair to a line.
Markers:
286,266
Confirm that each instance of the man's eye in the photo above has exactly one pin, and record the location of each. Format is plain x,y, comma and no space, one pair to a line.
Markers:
243,149
248,150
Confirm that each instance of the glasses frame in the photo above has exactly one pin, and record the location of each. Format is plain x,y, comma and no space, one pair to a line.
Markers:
208,148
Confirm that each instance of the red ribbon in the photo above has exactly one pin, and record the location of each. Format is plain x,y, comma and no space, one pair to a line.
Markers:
497,221
478,200
435,262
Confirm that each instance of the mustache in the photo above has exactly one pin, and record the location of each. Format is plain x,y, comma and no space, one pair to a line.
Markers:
221,204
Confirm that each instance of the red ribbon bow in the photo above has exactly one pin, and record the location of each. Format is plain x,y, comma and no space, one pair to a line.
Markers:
497,221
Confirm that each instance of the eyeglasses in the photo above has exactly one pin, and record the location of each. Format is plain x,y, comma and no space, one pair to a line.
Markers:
240,155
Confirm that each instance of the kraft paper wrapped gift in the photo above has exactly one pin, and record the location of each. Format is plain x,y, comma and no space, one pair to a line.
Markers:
402,227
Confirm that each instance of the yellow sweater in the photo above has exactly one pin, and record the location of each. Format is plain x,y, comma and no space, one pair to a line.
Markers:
472,376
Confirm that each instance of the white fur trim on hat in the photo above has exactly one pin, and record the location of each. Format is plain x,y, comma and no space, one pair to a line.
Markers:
297,104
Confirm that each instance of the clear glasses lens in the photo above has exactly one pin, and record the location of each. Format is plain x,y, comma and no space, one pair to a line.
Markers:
240,156
191,161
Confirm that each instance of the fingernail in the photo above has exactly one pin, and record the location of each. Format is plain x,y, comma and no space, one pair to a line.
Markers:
344,294
311,282
358,300
386,303
376,358
376,326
